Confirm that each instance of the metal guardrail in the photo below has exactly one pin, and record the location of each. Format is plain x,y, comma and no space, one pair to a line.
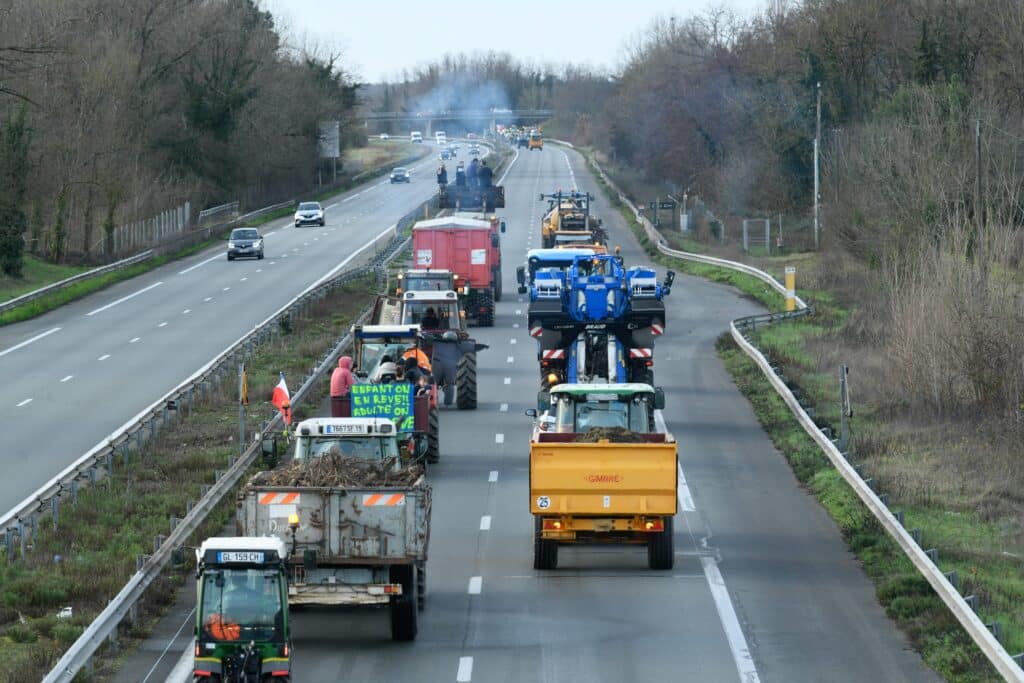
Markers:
106,623
87,275
982,636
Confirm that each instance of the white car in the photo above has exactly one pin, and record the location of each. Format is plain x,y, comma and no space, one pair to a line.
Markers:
309,213
385,136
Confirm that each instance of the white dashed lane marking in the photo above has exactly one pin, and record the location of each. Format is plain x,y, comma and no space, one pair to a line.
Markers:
503,408
476,584
465,673
485,523
104,356
493,476
28,400
508,380
499,438
163,324
134,339
66,379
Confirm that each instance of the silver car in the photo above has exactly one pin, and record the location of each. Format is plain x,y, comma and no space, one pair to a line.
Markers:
245,242
309,213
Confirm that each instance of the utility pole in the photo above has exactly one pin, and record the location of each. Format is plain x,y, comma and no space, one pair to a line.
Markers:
978,212
817,172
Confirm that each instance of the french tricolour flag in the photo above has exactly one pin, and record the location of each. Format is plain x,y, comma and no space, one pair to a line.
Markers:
282,400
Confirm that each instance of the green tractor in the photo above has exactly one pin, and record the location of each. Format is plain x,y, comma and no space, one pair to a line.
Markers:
242,629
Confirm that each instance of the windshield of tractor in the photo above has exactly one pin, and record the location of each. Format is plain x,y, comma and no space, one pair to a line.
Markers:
418,283
242,604
367,448
431,315
578,416
372,354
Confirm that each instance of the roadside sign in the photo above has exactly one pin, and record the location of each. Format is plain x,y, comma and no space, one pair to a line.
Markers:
666,205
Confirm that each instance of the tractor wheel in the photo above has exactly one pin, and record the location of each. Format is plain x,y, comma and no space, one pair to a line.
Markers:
433,437
545,552
485,318
660,548
465,382
403,607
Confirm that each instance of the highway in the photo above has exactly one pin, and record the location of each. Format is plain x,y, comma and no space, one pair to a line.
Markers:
76,374
763,589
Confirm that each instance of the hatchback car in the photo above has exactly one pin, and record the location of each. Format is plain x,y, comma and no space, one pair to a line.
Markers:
400,175
309,213
445,155
245,242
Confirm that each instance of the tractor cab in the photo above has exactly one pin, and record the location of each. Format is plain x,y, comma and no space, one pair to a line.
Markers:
242,629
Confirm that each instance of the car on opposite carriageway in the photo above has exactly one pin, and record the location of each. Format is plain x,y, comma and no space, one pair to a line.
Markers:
245,242
310,213
400,174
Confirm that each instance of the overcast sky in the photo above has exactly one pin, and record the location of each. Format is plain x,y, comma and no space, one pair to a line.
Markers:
379,39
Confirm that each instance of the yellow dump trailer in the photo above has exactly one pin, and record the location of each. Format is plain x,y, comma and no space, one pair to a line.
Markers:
603,492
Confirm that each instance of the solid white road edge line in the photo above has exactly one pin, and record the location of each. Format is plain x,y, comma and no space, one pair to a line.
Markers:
476,584
29,341
124,298
682,488
716,584
730,623
201,263
182,671
170,642
465,673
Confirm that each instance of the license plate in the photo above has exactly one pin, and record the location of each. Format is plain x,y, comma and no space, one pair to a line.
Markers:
240,556
603,525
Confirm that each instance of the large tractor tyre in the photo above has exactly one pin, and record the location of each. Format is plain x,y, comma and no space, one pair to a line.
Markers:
485,317
465,382
661,549
421,585
403,607
496,279
545,552
433,436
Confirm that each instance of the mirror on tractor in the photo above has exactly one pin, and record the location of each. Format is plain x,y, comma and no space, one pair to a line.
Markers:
503,226
543,401
531,412
521,275
659,398
495,241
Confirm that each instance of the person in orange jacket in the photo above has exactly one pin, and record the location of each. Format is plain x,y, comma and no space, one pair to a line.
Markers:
421,358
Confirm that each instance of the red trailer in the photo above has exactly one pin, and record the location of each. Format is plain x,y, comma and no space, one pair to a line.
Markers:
470,248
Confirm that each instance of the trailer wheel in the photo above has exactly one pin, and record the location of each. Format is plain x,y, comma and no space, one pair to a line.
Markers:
545,552
661,549
496,279
433,436
403,608
485,318
465,382
421,585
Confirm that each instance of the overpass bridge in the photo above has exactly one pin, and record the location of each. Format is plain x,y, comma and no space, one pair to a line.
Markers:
425,120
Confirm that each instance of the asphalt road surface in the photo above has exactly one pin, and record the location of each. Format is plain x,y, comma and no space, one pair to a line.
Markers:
763,587
76,374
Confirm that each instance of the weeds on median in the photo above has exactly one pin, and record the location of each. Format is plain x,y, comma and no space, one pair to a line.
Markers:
88,558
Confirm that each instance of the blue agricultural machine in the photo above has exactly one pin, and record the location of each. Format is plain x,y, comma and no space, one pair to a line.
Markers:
596,321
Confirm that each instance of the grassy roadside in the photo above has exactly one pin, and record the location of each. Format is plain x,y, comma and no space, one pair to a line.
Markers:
90,556
975,548
901,590
42,273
